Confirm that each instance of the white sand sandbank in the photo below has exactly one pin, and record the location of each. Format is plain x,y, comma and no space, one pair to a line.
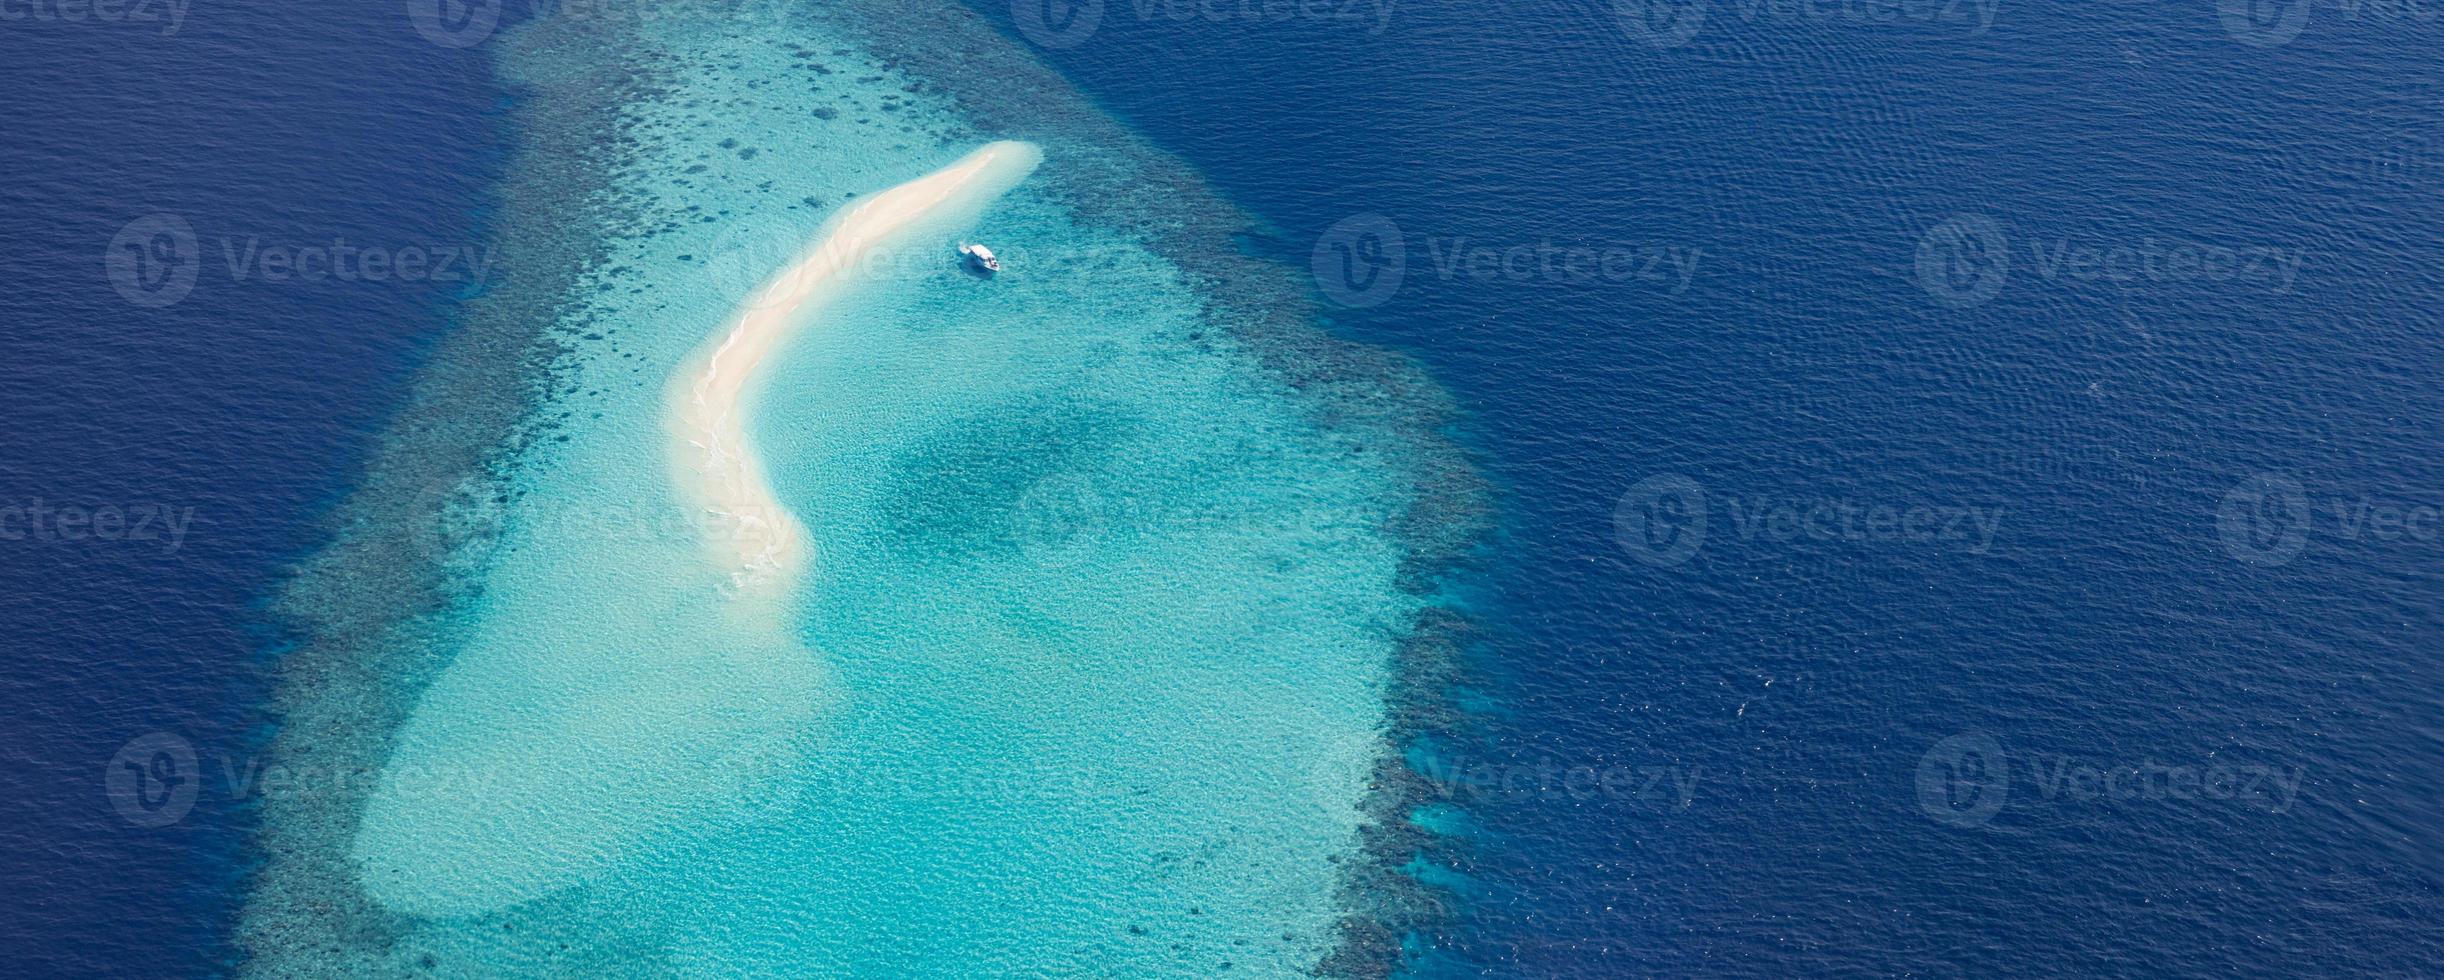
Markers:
756,540
560,742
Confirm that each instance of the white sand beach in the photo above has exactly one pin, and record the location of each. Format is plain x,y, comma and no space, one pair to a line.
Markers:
752,535
676,722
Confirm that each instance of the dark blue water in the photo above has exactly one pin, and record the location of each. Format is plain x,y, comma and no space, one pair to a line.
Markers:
242,407
2012,547
1965,674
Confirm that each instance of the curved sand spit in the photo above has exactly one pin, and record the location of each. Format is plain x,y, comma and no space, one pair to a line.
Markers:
752,535
555,744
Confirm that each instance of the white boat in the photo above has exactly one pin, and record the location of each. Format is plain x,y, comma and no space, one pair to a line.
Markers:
980,258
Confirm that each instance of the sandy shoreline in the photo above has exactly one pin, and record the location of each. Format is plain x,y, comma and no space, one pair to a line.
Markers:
755,539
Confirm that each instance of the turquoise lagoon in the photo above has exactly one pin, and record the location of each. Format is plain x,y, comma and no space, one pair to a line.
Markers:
1088,673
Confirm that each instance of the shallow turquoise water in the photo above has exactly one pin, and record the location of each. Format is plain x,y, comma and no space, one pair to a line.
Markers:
1089,668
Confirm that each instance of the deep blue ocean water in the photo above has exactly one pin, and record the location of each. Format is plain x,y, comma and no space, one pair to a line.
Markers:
2012,547
245,404
1769,702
